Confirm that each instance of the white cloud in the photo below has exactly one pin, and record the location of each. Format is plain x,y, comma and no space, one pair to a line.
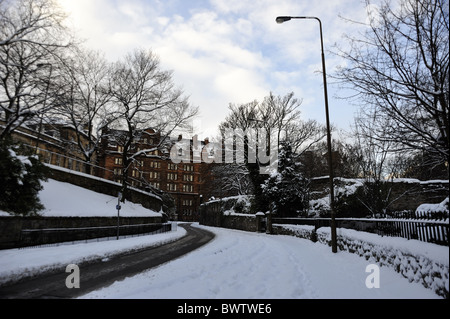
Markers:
224,51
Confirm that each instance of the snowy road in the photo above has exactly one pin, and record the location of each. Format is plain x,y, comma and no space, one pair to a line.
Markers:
103,271
243,265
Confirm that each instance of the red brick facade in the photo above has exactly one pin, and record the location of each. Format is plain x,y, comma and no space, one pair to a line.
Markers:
155,169
187,181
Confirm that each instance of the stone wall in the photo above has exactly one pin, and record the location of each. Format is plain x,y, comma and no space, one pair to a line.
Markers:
212,214
12,228
15,231
409,193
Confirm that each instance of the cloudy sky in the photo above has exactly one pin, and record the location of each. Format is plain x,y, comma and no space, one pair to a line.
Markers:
228,51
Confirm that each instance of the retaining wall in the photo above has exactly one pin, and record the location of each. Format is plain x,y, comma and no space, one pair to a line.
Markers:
408,193
13,229
211,214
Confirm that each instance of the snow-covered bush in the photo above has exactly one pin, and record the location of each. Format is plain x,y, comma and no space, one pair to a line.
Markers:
301,231
20,181
440,209
240,204
346,202
417,261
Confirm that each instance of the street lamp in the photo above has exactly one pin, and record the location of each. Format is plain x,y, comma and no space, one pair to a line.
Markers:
283,19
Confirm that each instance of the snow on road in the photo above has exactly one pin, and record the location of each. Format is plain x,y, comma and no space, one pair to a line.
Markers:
17,263
245,265
235,264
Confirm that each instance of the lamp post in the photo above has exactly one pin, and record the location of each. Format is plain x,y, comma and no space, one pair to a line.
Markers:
283,19
119,198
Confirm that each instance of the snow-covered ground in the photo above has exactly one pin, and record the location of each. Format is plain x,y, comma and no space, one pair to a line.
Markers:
243,265
19,263
235,264
64,199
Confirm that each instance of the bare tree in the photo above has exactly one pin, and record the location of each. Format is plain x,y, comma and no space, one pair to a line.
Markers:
377,165
400,66
276,118
81,97
373,154
232,179
31,36
145,97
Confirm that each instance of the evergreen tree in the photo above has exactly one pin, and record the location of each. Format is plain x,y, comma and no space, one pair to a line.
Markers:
20,181
287,190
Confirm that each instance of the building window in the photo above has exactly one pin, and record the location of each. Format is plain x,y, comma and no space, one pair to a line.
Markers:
155,175
118,161
171,187
58,160
172,176
155,185
136,184
188,168
187,202
155,164
136,173
188,188
188,178
119,149
172,166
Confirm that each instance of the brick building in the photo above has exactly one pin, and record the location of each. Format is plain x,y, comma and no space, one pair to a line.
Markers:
55,143
153,168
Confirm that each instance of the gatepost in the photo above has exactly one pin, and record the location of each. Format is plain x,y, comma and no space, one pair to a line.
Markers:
260,216
269,222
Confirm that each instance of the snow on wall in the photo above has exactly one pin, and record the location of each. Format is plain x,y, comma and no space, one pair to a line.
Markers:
433,208
301,231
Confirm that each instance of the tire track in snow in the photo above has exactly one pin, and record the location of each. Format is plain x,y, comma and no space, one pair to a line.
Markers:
245,265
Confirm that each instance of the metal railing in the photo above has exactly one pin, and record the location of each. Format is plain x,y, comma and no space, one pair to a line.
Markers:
78,165
60,236
417,214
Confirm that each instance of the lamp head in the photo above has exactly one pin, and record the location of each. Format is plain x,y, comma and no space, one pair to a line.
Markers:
283,19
